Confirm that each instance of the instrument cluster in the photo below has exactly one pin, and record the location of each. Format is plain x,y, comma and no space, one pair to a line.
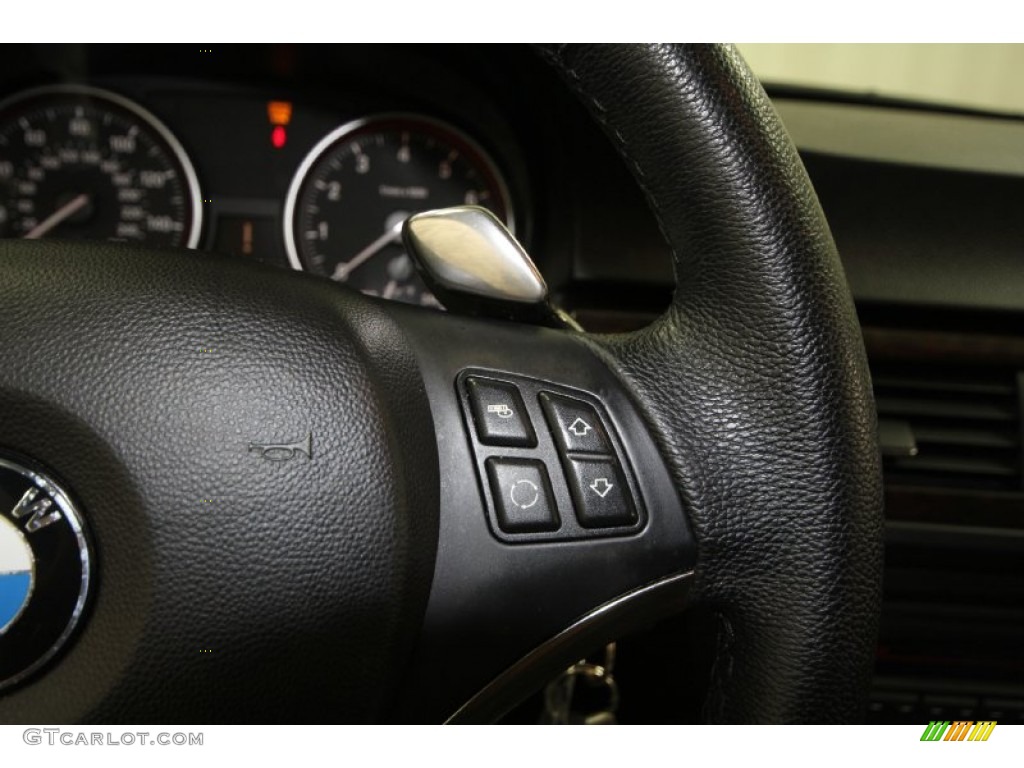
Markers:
258,174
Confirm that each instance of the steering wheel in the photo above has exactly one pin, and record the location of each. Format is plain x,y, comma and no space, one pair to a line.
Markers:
297,504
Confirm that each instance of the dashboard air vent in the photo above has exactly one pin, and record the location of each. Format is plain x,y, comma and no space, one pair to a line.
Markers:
953,427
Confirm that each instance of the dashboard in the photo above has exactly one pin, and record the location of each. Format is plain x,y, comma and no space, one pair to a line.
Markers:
311,157
924,206
306,157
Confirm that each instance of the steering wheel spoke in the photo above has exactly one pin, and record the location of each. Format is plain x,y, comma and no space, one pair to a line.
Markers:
555,503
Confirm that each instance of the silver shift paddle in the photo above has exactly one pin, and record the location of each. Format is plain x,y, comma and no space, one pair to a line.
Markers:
474,266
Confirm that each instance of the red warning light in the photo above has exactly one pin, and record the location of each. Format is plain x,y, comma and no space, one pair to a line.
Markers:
278,137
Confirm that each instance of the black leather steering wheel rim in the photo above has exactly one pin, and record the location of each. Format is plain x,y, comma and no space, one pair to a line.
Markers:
756,380
142,378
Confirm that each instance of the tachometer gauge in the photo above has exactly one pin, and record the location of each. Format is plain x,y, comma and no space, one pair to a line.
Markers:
81,163
352,193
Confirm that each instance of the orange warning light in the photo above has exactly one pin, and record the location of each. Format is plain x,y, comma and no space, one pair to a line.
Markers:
279,112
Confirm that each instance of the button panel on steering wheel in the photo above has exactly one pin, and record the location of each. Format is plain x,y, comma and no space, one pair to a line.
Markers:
562,475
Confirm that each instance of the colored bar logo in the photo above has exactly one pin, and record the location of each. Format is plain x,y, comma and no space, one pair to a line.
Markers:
960,730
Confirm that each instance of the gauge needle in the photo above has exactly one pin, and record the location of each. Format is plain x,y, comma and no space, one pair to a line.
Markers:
70,208
343,270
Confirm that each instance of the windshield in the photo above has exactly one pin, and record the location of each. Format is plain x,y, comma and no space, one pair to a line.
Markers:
971,76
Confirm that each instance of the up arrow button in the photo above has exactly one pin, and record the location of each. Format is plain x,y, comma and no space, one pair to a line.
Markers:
579,427
575,425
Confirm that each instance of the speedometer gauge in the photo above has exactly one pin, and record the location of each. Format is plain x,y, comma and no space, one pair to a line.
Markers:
81,163
355,189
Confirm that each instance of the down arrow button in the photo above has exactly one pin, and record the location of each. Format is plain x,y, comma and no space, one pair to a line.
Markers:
599,493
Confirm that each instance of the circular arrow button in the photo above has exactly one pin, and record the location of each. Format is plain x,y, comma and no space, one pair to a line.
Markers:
524,494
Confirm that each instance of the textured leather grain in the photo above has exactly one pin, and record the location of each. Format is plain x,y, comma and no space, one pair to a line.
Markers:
231,588
755,381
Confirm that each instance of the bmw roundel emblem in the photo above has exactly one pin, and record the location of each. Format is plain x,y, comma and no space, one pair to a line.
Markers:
45,570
